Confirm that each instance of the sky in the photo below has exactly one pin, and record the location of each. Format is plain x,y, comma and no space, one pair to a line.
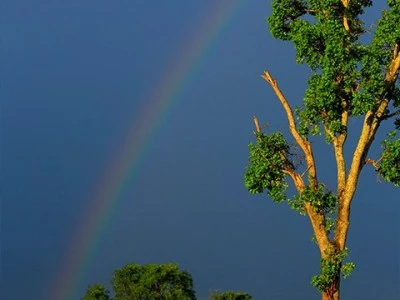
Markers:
124,139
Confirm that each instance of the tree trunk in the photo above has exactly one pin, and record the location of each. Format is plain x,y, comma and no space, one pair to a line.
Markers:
326,296
333,293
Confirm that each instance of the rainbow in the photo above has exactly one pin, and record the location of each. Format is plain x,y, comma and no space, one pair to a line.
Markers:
110,189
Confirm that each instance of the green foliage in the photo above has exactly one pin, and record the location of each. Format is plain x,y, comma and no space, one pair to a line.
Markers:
268,158
230,296
163,282
266,162
347,74
390,163
375,61
284,13
331,268
136,282
96,292
347,269
319,198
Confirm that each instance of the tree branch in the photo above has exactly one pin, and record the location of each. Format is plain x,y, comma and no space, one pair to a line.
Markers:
391,76
393,71
370,126
388,116
373,162
318,225
256,124
345,19
338,143
317,219
396,50
302,142
297,180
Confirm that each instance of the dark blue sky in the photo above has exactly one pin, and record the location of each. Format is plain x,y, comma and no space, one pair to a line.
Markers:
73,76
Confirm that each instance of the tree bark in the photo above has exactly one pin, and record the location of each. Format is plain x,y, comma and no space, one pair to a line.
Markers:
334,292
326,296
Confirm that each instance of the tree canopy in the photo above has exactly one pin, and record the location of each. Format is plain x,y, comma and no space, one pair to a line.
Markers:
230,296
151,281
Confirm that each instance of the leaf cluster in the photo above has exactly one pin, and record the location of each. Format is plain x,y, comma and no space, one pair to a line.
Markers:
269,157
389,167
331,268
267,160
375,61
318,196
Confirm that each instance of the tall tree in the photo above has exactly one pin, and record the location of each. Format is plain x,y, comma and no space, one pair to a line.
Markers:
350,78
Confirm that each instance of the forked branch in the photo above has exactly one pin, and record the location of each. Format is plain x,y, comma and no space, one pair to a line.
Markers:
370,126
302,142
316,218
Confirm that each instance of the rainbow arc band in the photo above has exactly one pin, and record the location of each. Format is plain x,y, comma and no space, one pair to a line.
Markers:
109,190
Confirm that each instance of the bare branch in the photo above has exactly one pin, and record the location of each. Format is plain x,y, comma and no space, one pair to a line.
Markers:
310,11
345,20
340,163
302,174
338,142
376,121
317,219
393,71
388,116
256,124
302,142
373,162
396,50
